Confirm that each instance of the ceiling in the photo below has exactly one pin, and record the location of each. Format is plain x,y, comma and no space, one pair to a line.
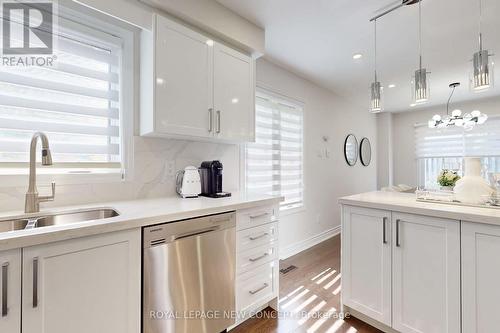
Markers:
317,39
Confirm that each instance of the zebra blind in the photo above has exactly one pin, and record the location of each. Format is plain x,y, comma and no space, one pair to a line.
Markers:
274,164
76,102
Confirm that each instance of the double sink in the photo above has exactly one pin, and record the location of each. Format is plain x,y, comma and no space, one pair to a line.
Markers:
50,219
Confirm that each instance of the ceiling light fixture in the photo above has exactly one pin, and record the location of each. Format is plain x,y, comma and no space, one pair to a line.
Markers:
392,86
420,82
376,87
467,120
482,74
357,56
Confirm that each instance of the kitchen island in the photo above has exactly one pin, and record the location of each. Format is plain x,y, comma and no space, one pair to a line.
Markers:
410,266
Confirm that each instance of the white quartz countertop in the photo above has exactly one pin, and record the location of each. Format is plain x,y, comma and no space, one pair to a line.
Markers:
133,214
407,203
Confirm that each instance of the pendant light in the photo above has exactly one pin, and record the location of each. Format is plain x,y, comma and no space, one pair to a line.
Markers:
482,74
376,87
467,121
420,83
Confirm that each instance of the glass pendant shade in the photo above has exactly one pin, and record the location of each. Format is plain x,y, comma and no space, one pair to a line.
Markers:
376,97
482,75
420,86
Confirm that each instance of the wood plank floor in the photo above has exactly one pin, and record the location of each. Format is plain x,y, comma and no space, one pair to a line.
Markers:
314,287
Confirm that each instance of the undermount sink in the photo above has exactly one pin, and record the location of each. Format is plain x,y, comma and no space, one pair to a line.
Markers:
46,220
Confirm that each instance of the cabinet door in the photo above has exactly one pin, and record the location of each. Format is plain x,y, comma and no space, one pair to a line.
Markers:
10,291
366,262
480,277
83,285
426,274
183,82
234,95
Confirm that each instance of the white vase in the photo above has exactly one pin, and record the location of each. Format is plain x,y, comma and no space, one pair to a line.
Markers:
472,188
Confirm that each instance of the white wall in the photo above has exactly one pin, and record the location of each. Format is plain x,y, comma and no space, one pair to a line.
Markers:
405,166
326,179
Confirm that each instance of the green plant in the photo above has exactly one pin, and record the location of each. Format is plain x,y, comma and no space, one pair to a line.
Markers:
447,177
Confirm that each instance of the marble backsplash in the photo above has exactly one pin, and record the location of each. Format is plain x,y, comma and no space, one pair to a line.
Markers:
151,177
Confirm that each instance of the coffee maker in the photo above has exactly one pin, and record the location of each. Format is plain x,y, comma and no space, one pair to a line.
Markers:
211,180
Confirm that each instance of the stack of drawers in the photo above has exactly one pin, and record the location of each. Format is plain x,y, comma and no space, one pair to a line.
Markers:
257,259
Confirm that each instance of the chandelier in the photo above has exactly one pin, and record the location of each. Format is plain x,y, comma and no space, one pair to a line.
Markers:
467,120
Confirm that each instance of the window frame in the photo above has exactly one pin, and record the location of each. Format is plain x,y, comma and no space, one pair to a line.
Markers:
295,102
91,21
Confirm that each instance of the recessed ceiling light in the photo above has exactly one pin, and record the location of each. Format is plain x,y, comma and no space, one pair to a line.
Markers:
357,56
210,42
392,85
412,104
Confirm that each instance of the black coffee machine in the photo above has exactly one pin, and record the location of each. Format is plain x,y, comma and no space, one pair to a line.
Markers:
211,180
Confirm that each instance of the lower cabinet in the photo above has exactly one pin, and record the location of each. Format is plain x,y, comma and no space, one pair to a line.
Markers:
366,262
402,270
10,291
426,274
90,284
480,278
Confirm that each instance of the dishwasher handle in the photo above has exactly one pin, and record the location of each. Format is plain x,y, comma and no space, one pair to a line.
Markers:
195,233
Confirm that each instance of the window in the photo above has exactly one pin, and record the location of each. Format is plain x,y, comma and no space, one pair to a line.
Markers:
438,149
77,103
274,163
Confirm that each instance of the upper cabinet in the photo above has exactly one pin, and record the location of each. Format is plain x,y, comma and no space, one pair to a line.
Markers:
193,87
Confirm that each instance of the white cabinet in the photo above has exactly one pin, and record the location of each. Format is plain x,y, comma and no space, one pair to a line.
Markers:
234,99
83,285
194,87
366,262
426,274
10,291
480,278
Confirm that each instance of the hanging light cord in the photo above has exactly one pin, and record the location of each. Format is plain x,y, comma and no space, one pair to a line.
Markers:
420,32
449,99
480,25
375,50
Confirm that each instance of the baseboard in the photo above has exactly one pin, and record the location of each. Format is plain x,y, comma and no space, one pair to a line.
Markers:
293,249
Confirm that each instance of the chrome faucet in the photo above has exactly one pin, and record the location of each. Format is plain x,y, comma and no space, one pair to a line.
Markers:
32,203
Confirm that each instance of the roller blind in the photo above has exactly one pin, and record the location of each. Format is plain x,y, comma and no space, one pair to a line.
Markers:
274,164
76,102
482,141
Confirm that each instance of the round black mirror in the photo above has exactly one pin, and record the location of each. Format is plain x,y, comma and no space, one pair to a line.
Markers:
351,149
365,152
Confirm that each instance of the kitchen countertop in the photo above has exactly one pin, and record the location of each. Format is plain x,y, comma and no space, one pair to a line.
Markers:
407,203
133,214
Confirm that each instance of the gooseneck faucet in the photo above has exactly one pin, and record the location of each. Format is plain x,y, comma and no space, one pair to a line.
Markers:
32,203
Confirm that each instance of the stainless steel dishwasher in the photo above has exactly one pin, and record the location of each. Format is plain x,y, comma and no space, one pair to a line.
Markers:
189,275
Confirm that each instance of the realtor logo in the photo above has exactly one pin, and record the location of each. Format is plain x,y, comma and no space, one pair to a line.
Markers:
27,28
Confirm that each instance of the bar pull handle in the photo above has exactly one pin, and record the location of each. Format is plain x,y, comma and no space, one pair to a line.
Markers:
210,120
258,215
218,122
384,239
258,237
259,258
253,292
35,282
196,233
5,271
398,244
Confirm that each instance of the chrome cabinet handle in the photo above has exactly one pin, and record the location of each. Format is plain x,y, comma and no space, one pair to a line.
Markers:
398,244
259,215
259,237
218,122
259,258
384,240
5,271
210,120
253,292
35,282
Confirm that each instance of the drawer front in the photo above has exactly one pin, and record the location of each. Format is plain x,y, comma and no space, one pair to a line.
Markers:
255,257
257,287
258,236
252,217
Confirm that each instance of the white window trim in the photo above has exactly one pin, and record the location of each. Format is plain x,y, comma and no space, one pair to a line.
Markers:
280,95
128,92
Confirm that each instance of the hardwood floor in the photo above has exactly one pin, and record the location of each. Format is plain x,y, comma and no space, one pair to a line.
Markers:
311,289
